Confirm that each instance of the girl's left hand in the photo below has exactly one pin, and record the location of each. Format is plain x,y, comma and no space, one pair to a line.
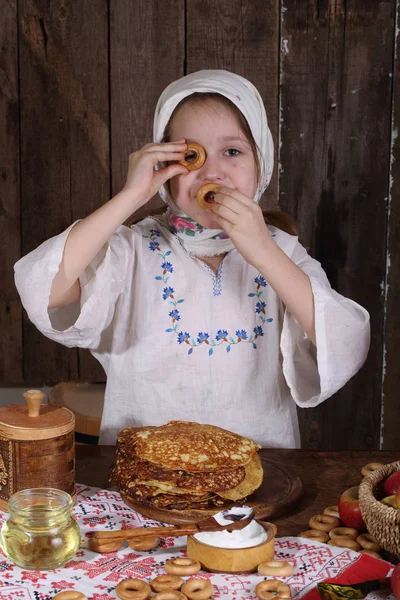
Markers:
242,219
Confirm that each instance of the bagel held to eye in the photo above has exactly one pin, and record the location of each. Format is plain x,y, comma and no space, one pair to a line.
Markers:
205,195
323,522
133,589
275,568
315,534
70,595
198,589
166,582
272,589
182,566
195,157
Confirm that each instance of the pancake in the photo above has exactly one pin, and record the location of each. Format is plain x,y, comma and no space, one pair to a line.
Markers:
252,481
214,503
135,467
167,488
143,492
126,442
187,446
188,469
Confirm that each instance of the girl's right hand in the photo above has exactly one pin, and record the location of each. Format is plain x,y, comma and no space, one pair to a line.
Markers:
143,181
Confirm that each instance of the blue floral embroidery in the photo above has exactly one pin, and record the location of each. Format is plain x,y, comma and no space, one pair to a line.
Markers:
216,279
167,267
167,292
174,314
222,336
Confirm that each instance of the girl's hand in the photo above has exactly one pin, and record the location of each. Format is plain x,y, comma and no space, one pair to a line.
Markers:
242,219
143,181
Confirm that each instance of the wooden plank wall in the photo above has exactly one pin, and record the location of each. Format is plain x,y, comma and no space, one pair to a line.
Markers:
79,83
336,94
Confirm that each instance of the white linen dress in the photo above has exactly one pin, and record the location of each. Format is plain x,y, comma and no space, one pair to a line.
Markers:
178,342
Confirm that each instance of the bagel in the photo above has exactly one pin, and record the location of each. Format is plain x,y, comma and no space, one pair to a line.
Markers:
205,195
144,543
275,568
345,542
169,595
198,589
133,589
340,532
367,542
195,157
323,522
370,467
182,566
166,582
271,589
332,511
315,534
105,548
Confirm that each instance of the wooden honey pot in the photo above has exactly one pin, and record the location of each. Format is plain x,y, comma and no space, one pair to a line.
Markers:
37,447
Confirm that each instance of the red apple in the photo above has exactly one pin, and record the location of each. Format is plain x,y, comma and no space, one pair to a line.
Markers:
395,581
392,484
397,496
349,509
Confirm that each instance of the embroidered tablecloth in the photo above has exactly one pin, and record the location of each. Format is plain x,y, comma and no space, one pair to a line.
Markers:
97,575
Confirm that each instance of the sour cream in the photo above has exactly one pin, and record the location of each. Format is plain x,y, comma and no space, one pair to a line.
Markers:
251,535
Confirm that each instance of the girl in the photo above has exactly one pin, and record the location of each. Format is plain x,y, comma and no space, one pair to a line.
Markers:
207,316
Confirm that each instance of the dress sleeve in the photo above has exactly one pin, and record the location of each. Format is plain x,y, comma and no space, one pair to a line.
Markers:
314,373
79,324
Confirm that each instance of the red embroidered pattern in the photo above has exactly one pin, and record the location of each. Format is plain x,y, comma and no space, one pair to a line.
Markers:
97,575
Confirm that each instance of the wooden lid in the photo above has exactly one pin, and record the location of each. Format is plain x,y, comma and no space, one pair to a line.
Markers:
33,421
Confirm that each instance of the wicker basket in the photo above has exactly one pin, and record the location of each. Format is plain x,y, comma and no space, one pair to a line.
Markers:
383,522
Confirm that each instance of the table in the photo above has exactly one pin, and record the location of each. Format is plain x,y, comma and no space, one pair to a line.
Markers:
325,475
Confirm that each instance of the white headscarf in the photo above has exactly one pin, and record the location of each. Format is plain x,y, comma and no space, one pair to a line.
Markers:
196,239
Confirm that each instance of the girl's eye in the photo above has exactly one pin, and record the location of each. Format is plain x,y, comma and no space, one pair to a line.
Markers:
233,152
190,156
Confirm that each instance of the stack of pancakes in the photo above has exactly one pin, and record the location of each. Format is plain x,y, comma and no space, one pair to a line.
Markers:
184,466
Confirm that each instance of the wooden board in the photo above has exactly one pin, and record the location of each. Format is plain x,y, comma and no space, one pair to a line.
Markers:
280,491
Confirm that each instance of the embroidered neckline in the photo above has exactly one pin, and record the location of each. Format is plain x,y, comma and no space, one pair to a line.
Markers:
189,227
222,336
216,277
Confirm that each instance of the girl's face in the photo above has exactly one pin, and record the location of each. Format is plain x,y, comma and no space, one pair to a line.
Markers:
229,158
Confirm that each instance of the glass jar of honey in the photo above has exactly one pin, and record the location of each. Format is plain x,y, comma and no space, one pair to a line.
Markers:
41,532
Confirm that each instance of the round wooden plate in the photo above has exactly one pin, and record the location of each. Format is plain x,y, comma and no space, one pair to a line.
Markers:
280,491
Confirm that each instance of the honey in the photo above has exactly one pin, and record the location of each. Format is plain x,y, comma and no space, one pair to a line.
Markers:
41,532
